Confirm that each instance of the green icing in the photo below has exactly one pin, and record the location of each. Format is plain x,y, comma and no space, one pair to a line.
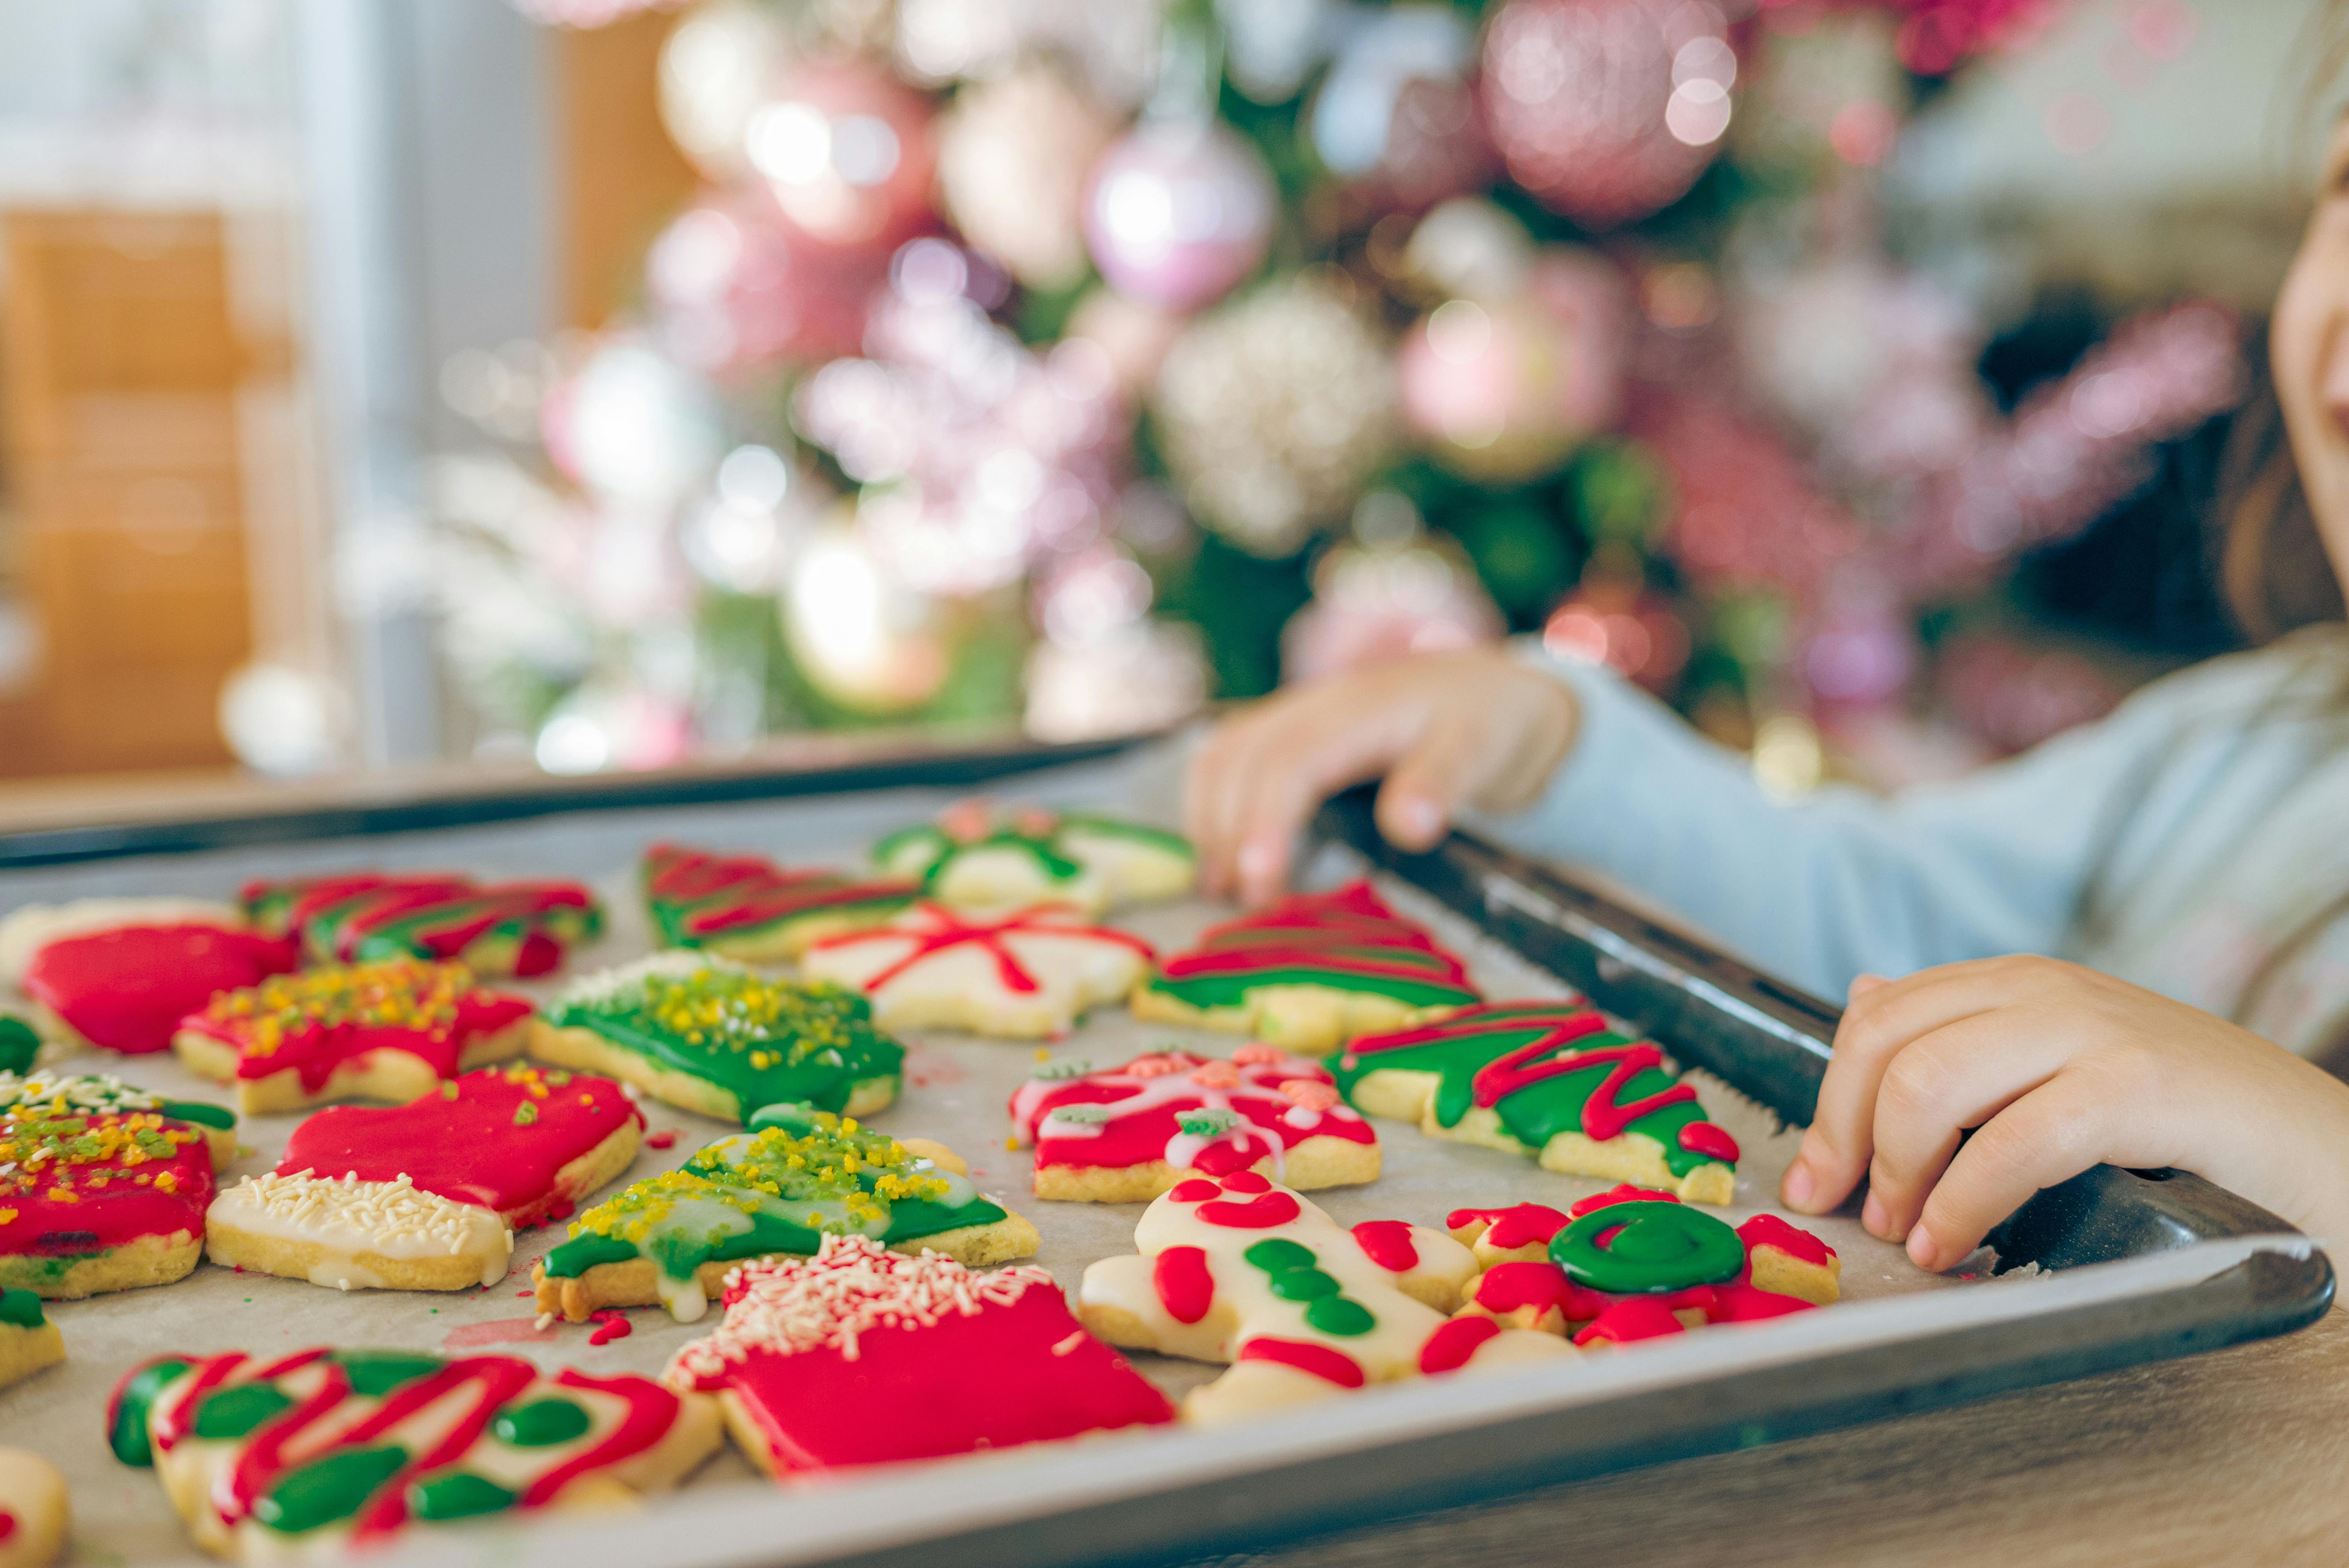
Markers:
1292,1275
196,1113
1543,1109
1230,988
375,1373
1659,1247
331,1489
132,1405
778,1187
1277,1252
540,1423
19,1045
20,1309
459,1494
1302,1285
1340,1315
231,1413
1138,832
759,1040
929,852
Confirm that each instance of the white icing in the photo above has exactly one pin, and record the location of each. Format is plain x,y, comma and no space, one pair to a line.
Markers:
389,1219
1075,966
1250,1092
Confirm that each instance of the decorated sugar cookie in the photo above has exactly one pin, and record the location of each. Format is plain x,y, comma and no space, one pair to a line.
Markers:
747,908
797,1176
1242,1271
91,1203
310,1456
1309,974
706,1033
349,1234
972,858
122,973
1633,1263
28,1340
527,1143
511,928
1027,975
392,1031
1126,1134
35,1510
1552,1080
86,1094
861,1356
20,1043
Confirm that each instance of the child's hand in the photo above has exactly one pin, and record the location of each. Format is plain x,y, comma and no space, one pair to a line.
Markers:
2060,1068
1447,730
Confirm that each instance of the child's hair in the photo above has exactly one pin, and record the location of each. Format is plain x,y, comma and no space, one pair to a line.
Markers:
2272,567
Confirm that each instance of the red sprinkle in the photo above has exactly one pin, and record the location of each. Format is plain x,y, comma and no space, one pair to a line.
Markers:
664,1138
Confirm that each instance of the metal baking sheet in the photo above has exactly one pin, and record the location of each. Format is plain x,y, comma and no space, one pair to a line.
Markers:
1900,1339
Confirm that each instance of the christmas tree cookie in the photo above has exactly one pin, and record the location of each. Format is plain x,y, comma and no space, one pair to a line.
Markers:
91,1203
391,1030
743,907
1309,974
35,1510
860,1356
122,973
28,1340
1239,1270
1026,976
1126,1134
973,858
312,1457
1549,1080
98,1094
707,1035
511,928
780,1187
1634,1263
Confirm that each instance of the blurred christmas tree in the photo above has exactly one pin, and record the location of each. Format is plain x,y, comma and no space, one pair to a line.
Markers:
1078,360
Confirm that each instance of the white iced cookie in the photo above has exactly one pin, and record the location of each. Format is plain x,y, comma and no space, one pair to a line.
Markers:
34,927
972,858
1027,974
35,1510
349,1234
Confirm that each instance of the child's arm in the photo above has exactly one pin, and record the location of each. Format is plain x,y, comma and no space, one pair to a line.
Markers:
1573,764
2059,1069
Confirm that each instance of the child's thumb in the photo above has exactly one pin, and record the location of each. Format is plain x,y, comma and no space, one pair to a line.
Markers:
1424,790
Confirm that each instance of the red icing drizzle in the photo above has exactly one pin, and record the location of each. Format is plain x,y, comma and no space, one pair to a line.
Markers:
1194,1191
1622,1192
1742,1303
471,1148
652,1410
1322,1362
1149,1096
1185,1289
1709,1140
1247,1182
1602,1118
609,1325
1769,1230
1349,932
316,1049
944,929
1450,1346
1633,1317
739,892
1258,1213
1508,1287
492,1379
1521,1225
1387,1244
127,989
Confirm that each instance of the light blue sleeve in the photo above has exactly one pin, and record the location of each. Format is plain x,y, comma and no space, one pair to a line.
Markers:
1841,882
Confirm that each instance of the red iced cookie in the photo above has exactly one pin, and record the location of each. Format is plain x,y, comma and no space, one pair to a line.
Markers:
99,1202
126,988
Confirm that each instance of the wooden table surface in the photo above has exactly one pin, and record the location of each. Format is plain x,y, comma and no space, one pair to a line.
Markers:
2238,1457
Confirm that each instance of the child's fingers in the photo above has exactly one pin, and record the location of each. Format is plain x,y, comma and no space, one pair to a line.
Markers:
1213,792
2049,1135
1425,789
1314,751
1954,1078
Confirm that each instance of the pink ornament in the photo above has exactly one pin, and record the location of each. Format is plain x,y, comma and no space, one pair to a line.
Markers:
1622,624
1396,117
846,150
1370,605
1607,109
1178,213
1014,155
733,287
1507,387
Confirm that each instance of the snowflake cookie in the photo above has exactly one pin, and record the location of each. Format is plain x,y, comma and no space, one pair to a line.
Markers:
1029,974
1126,1134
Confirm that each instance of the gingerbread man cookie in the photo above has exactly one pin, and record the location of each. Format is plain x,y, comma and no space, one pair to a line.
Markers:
1309,974
750,909
122,973
1029,975
35,1510
798,1175
59,1094
28,1340
1241,1271
1126,1134
1634,1263
860,1356
392,1031
706,1033
973,858
312,1457
513,928
1552,1080
91,1203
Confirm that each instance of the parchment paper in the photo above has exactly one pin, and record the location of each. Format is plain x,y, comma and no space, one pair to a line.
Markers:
955,1090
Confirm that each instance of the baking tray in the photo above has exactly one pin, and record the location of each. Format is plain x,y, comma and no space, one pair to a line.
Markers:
2144,1265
